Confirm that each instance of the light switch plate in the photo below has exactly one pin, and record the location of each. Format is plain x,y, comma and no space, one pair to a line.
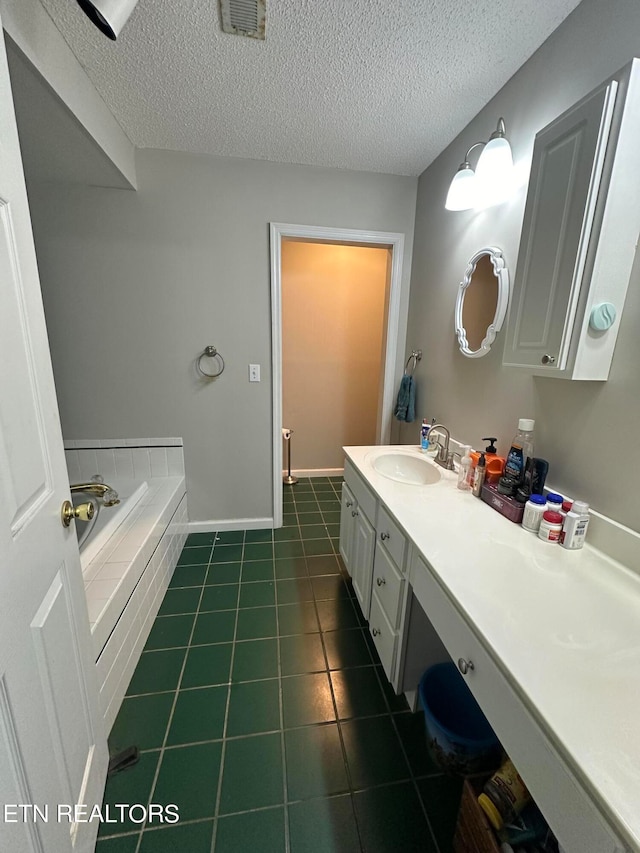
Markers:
254,373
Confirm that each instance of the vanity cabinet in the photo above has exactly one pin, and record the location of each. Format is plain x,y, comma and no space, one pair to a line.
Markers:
565,805
388,593
579,235
536,662
357,535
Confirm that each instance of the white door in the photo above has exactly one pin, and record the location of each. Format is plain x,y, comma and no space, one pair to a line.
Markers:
53,746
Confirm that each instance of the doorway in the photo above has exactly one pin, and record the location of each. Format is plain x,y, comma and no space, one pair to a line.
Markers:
288,245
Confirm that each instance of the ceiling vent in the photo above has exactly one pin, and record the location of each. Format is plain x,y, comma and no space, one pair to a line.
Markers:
243,17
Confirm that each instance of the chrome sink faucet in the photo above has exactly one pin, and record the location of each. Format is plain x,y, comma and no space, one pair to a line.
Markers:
444,456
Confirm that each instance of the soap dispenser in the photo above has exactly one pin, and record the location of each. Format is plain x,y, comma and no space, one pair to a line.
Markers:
478,479
464,470
495,463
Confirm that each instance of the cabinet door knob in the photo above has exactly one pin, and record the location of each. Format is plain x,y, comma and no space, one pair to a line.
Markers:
465,666
380,581
354,513
548,359
375,632
384,536
349,503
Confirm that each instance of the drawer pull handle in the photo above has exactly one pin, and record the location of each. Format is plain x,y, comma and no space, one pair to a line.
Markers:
384,536
465,666
380,581
354,513
375,632
349,503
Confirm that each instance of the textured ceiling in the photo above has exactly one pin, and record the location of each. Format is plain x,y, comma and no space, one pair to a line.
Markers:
352,84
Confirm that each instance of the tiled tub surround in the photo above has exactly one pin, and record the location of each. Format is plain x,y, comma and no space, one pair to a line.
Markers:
261,709
125,459
125,581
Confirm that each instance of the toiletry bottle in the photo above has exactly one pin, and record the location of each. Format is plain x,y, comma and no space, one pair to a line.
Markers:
574,529
495,463
535,474
463,470
550,526
521,450
566,507
554,502
478,479
504,796
424,436
534,509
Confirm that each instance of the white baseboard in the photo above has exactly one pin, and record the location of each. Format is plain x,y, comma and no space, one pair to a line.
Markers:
316,472
230,524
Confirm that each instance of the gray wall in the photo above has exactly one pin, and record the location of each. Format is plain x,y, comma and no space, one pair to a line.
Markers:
587,431
136,284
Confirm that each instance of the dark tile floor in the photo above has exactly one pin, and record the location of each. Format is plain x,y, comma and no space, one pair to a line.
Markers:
261,710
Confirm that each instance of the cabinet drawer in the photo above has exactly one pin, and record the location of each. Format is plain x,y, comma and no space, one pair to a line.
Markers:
383,634
392,537
388,584
565,805
365,498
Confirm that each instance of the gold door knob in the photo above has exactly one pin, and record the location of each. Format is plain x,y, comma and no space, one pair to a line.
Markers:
84,512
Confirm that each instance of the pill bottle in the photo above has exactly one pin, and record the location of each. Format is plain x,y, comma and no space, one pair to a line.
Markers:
534,509
554,502
550,526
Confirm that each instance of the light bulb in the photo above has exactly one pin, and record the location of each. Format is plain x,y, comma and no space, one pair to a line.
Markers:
109,16
463,190
494,172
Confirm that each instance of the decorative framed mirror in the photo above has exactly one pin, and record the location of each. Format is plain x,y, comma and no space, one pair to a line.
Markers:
482,302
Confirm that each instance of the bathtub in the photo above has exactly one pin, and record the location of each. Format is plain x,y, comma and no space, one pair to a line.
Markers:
95,534
127,561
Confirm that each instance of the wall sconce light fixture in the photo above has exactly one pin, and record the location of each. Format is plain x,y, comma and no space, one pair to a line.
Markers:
109,16
491,181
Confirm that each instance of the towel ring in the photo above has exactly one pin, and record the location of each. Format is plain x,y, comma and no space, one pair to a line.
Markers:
416,356
210,352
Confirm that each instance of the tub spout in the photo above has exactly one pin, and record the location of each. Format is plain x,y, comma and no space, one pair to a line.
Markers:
108,495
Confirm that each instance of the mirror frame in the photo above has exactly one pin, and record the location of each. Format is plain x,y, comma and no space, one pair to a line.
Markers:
501,272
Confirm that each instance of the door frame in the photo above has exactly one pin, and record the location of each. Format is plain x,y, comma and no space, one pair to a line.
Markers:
320,234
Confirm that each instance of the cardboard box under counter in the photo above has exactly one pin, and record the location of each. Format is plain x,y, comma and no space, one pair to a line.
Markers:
509,507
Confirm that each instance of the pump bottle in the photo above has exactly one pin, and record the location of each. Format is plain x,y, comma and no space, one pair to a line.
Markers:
464,469
478,480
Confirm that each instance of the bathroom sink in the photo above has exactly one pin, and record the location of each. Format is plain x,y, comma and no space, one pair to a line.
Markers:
405,468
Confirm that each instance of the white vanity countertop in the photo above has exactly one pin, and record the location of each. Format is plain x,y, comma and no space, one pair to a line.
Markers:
564,624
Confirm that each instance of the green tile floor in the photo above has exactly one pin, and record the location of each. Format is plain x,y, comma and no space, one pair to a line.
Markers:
261,710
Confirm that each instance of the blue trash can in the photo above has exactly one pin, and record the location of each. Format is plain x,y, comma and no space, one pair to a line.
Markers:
459,736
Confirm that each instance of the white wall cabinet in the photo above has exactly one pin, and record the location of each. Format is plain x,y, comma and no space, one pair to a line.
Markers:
579,235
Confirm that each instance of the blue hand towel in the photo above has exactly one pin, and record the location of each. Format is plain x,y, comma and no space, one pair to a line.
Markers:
406,404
